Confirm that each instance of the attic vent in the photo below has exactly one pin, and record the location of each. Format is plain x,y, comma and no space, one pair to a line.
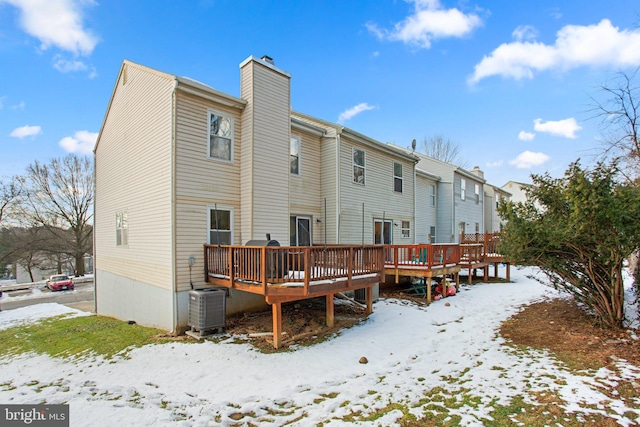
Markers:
268,59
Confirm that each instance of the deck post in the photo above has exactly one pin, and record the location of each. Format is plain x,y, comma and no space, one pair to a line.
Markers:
277,324
330,311
369,298
508,272
429,290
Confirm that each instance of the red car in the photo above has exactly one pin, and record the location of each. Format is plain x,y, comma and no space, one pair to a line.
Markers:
60,282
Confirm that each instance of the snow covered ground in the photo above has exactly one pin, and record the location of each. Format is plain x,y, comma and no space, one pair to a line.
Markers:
409,349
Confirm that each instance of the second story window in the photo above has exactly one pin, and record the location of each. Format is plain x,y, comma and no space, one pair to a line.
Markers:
220,136
358,166
397,177
122,229
477,190
294,156
463,189
432,194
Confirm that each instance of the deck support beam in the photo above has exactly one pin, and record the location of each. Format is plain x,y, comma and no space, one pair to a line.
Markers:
330,310
277,324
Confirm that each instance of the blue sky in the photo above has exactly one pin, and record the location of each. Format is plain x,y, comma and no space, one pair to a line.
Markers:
511,83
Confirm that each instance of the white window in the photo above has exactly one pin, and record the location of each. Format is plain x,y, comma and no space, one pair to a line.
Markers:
397,177
220,136
358,166
382,231
432,234
432,194
122,229
477,227
406,229
300,231
477,192
294,156
220,225
463,189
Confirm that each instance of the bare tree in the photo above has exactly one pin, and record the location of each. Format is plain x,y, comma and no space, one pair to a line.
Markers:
10,191
620,114
60,198
443,149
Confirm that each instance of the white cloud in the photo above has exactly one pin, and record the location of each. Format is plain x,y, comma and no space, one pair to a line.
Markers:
25,131
66,66
429,21
354,111
56,23
525,32
526,136
81,142
528,159
575,46
566,128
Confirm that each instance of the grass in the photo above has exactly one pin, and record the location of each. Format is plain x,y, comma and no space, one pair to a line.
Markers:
60,337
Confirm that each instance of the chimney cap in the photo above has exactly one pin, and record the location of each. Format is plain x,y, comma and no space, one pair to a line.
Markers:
268,59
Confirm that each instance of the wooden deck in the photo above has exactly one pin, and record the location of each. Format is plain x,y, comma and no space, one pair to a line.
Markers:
481,251
291,273
423,260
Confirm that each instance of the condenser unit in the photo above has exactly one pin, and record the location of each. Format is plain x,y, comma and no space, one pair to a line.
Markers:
207,310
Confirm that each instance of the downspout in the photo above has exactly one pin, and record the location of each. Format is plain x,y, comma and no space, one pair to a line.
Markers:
415,205
174,287
95,276
338,192
453,210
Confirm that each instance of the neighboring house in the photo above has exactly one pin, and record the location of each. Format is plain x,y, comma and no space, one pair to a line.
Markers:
517,190
426,206
460,199
179,164
492,196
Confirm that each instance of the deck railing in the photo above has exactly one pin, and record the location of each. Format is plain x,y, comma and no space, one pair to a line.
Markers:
488,240
471,253
266,265
422,255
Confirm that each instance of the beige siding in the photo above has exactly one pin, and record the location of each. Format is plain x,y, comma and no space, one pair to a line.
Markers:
304,189
377,194
201,182
133,174
328,188
264,204
425,213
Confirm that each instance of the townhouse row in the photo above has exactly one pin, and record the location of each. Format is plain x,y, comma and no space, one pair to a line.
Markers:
179,164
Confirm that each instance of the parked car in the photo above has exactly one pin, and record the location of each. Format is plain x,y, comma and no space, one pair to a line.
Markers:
59,282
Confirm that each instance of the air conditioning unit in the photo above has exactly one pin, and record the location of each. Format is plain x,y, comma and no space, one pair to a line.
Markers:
207,310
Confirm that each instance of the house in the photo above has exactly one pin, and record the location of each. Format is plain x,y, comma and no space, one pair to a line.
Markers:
179,164
493,196
459,198
517,190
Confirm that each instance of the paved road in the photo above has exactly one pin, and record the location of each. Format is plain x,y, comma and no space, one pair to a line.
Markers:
80,298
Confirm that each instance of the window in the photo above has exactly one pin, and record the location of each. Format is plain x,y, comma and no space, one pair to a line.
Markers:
397,177
220,225
477,227
477,191
122,229
358,166
406,229
463,189
300,231
432,194
432,234
220,136
382,231
294,156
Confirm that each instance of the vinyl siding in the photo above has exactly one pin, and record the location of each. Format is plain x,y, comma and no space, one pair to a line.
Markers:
264,204
329,193
304,189
201,182
377,195
426,215
133,174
